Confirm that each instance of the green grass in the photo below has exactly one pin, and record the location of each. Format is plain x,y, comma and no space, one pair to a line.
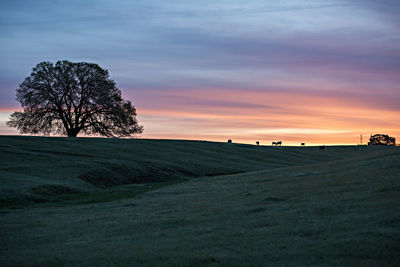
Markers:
70,198
39,169
283,206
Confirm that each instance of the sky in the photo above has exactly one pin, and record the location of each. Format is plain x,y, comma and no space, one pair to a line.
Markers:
319,72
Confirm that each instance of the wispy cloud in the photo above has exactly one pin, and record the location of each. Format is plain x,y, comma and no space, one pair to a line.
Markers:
204,68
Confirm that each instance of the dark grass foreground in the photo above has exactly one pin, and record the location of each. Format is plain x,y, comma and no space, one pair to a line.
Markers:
46,170
282,207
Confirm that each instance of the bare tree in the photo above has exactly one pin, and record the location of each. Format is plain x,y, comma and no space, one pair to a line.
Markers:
70,98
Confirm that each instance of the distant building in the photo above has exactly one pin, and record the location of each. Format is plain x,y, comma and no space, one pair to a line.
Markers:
381,139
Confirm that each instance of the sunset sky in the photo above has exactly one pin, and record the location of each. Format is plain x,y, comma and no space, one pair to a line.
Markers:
320,72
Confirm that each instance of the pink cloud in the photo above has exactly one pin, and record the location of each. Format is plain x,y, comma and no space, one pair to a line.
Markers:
198,114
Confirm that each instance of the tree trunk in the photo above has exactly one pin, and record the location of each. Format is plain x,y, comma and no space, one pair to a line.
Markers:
72,133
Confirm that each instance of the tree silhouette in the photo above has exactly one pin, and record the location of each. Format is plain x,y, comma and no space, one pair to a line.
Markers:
382,139
69,98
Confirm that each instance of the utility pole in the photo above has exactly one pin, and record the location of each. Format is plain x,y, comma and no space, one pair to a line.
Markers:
361,141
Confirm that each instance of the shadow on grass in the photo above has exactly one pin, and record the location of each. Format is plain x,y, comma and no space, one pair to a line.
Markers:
42,198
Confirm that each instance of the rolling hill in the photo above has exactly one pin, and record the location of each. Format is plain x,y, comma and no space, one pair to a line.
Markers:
40,169
196,204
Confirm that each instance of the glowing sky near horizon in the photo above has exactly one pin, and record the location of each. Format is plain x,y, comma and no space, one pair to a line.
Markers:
320,72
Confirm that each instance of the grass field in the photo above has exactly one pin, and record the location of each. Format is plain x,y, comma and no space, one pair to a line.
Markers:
90,201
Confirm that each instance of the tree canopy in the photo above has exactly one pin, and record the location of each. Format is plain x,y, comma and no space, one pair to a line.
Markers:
69,98
382,139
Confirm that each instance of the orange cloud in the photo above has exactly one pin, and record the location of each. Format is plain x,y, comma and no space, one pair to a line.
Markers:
222,114
249,116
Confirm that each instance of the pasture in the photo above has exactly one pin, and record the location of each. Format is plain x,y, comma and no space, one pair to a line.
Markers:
103,202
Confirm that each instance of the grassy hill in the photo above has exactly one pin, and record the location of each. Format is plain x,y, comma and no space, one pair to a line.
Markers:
40,169
226,204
